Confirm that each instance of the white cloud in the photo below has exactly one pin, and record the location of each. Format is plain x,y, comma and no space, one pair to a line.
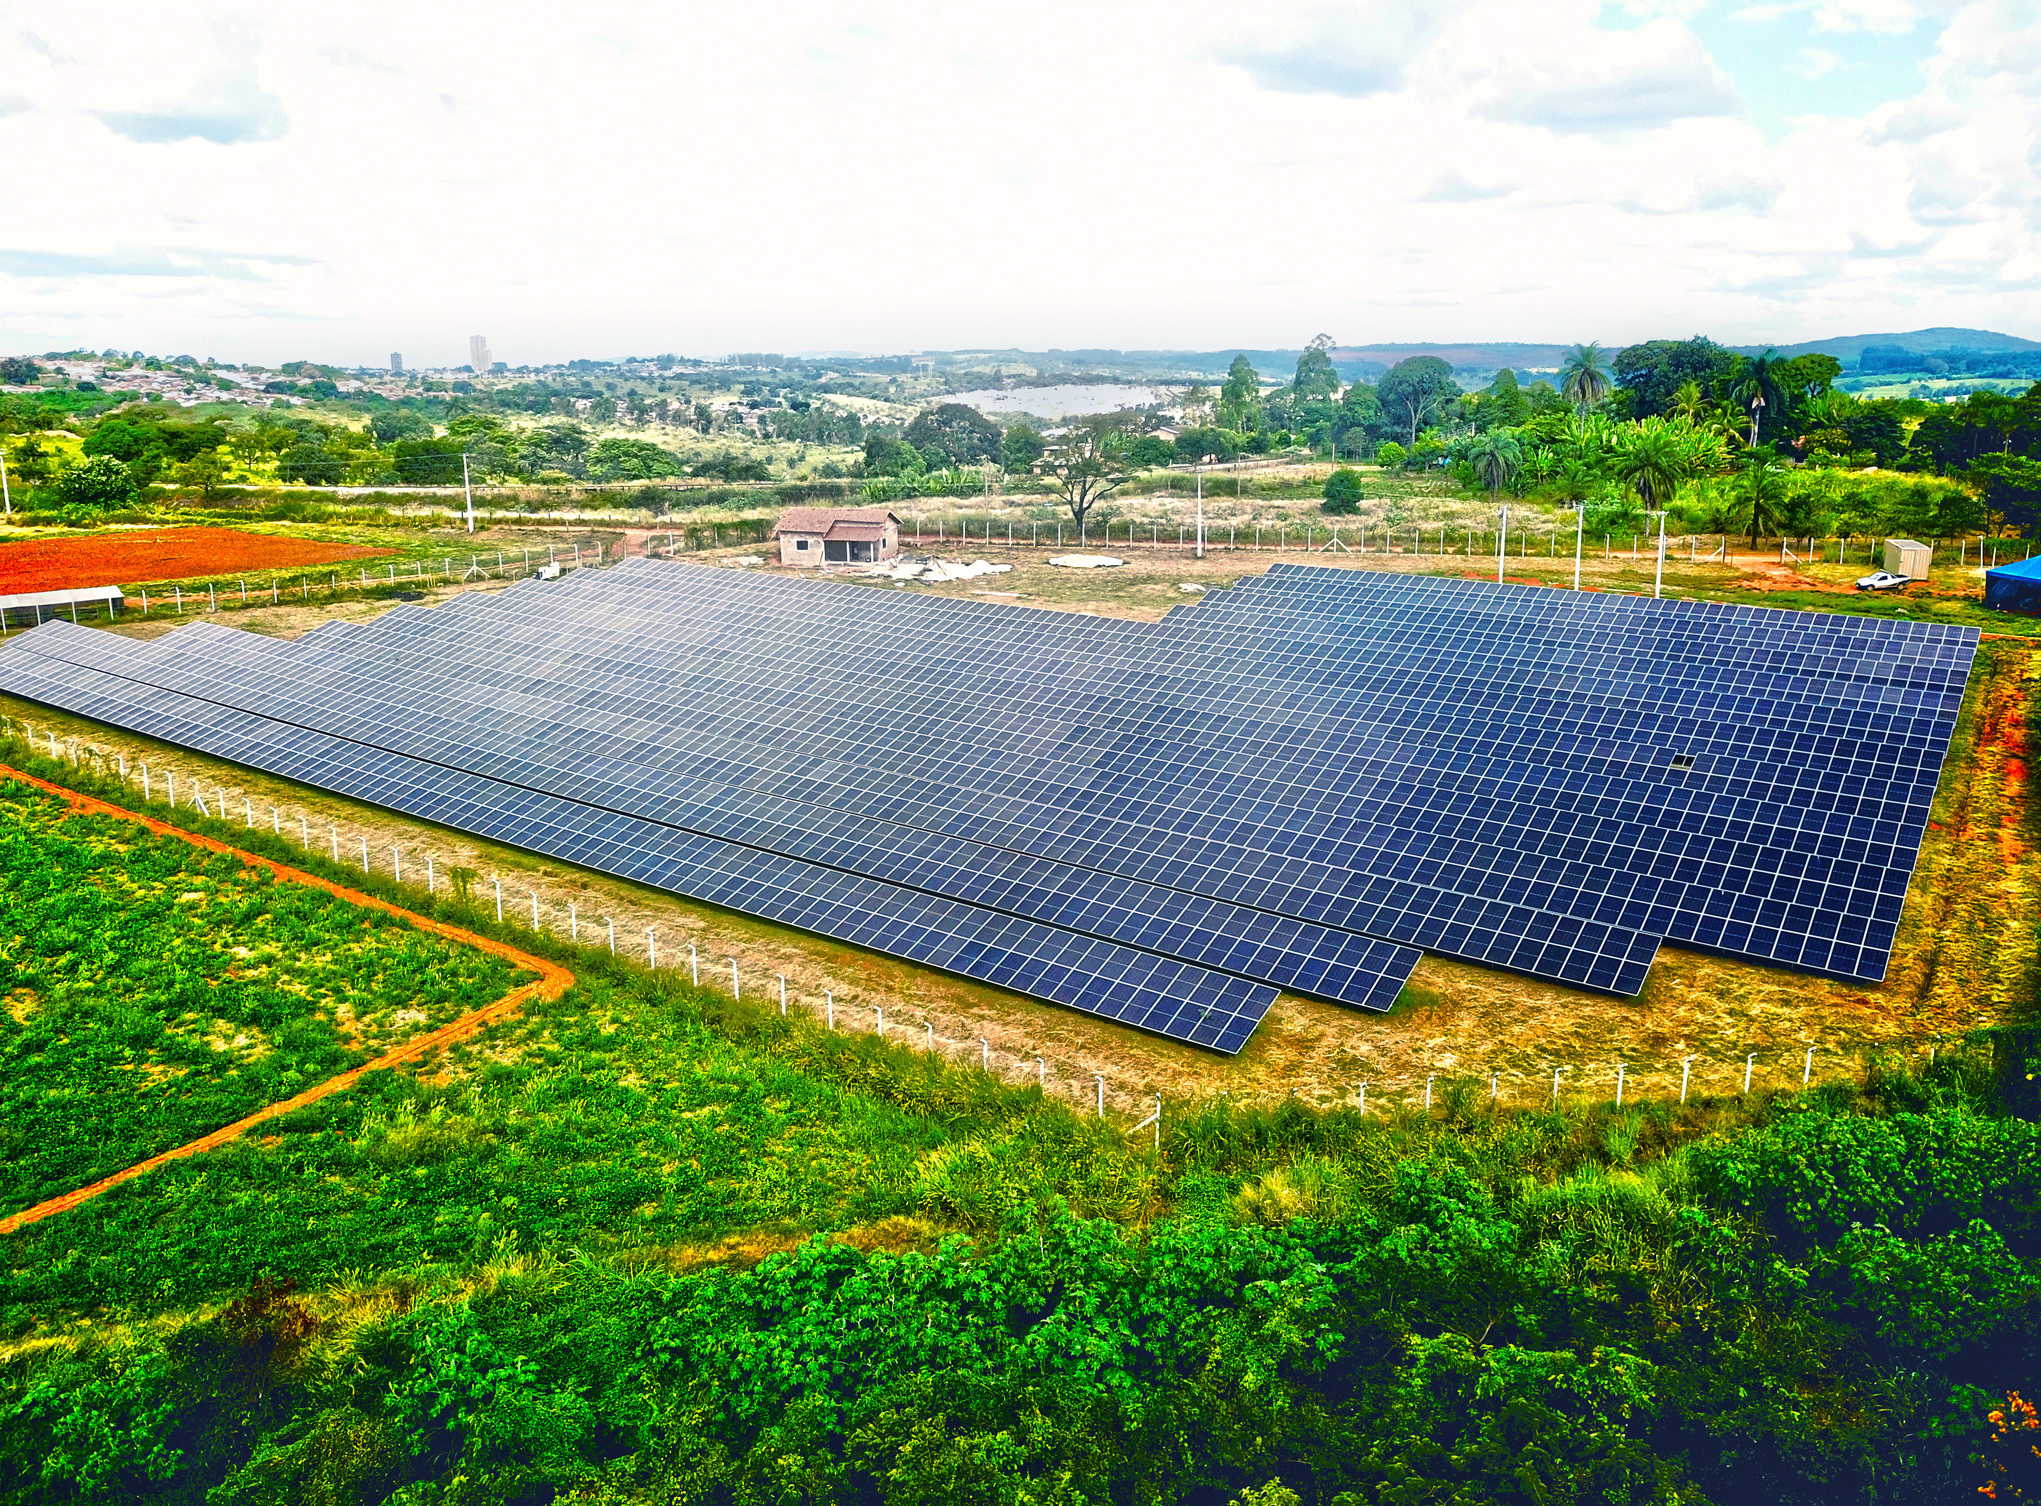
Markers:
1814,63
770,178
1595,82
226,106
1352,50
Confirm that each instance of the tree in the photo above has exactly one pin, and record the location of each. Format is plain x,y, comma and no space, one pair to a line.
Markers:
1755,386
1503,405
1194,445
889,455
96,483
1021,447
422,462
1495,458
1360,409
1652,374
1089,467
1584,376
310,463
966,436
1652,463
18,371
1762,489
1151,451
729,467
1343,491
1415,391
1315,376
1240,398
29,461
619,459
203,473
139,446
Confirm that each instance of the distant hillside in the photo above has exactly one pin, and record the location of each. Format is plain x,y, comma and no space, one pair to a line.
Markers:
1927,342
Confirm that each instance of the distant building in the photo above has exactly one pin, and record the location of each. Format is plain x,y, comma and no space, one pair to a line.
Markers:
837,535
397,363
478,353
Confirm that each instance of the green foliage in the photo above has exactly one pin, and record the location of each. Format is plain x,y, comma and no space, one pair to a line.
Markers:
1020,447
1151,451
1193,445
96,484
1414,393
964,435
1342,491
202,986
617,459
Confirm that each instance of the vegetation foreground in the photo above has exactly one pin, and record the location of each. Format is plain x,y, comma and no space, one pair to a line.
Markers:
647,1244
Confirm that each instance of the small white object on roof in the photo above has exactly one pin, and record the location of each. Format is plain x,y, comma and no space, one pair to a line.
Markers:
1087,561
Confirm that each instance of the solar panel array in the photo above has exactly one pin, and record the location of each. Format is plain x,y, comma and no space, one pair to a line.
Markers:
1303,782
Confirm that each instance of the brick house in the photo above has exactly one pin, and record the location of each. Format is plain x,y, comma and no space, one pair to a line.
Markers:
837,535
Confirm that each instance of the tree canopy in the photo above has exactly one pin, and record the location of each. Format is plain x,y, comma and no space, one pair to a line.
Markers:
1414,392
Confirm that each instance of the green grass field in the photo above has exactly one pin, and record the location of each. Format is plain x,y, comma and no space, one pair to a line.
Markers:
155,992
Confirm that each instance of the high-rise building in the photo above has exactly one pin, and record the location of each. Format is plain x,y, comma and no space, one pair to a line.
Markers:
478,353
397,362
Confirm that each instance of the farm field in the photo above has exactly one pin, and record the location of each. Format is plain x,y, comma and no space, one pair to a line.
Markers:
155,992
159,554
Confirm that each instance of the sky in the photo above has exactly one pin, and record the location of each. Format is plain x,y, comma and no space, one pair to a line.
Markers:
334,183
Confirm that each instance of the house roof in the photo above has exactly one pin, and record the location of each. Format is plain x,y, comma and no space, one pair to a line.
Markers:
822,519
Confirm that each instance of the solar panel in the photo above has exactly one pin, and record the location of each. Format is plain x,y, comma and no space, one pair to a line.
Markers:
1296,781
1150,992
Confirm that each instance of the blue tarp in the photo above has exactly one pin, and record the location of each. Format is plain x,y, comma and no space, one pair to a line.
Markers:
2015,588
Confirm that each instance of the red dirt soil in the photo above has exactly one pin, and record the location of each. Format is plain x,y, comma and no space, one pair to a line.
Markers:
158,554
553,981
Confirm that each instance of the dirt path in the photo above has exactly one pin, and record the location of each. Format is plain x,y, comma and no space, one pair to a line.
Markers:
553,981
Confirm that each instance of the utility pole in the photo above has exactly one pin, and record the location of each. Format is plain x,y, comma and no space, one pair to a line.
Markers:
467,488
1579,534
1207,460
1502,544
1658,582
5,497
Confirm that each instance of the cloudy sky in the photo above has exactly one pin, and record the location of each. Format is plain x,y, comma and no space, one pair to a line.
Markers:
337,182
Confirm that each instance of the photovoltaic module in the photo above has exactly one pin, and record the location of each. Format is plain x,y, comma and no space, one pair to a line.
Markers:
1304,782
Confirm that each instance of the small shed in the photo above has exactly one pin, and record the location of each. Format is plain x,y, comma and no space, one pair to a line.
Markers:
837,535
1905,557
2014,588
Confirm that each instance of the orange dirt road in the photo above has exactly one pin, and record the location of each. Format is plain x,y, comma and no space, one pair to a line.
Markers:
553,981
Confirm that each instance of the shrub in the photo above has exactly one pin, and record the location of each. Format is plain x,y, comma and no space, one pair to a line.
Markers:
1343,491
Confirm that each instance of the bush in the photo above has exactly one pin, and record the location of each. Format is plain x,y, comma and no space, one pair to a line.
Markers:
1389,454
1343,491
95,484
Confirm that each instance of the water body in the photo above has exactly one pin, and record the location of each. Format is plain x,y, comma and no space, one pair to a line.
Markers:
1069,400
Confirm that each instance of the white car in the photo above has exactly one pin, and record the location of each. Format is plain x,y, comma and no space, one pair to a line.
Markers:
1883,580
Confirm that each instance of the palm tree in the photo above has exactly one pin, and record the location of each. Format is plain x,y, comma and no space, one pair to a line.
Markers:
1764,489
1584,377
1495,458
1653,463
1686,402
1755,384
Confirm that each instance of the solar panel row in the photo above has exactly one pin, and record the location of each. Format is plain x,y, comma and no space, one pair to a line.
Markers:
1297,781
1137,988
